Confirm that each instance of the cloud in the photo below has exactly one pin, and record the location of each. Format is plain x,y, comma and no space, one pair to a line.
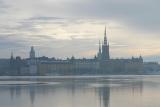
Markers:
3,7
141,15
73,27
44,18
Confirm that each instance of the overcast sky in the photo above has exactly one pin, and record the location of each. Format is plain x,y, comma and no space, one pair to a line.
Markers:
62,28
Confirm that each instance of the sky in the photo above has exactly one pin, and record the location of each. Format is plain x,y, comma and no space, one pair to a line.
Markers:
65,28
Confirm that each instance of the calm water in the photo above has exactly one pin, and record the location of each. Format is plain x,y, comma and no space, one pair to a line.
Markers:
100,91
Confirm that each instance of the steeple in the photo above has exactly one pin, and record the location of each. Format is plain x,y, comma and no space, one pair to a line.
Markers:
11,55
11,61
105,31
99,54
105,47
105,37
32,48
32,53
100,47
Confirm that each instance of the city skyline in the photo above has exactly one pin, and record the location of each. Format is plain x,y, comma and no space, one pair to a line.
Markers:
101,43
66,28
103,52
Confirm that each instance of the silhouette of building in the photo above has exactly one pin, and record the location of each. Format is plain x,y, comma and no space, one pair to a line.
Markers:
105,48
16,64
99,55
32,53
32,62
11,60
100,64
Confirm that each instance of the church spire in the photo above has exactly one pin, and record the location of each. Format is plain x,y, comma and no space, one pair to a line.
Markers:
105,37
100,51
99,46
11,55
105,31
32,53
105,47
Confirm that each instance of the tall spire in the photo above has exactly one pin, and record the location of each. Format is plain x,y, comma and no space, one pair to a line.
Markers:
105,47
11,55
100,51
105,31
32,53
105,37
99,46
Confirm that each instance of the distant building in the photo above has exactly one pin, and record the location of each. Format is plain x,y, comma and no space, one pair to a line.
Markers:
16,64
32,62
151,67
11,61
32,53
115,66
105,48
99,54
101,64
4,66
68,67
55,67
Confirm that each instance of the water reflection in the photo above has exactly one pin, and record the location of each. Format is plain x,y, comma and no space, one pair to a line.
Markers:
106,92
104,96
15,91
32,94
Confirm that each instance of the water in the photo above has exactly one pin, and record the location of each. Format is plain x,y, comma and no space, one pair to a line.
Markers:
80,91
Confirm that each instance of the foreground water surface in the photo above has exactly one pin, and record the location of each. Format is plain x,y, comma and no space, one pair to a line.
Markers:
80,91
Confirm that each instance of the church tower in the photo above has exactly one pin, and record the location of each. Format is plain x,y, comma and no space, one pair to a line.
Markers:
32,53
99,52
11,60
105,48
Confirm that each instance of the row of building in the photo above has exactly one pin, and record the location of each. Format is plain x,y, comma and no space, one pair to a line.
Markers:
100,64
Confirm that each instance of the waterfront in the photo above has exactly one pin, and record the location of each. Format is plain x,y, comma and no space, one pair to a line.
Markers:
80,91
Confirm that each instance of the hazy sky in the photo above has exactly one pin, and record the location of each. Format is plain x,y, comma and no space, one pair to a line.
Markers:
62,28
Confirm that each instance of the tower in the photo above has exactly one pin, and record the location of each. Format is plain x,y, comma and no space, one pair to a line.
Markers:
11,60
12,56
105,48
99,55
32,62
32,53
